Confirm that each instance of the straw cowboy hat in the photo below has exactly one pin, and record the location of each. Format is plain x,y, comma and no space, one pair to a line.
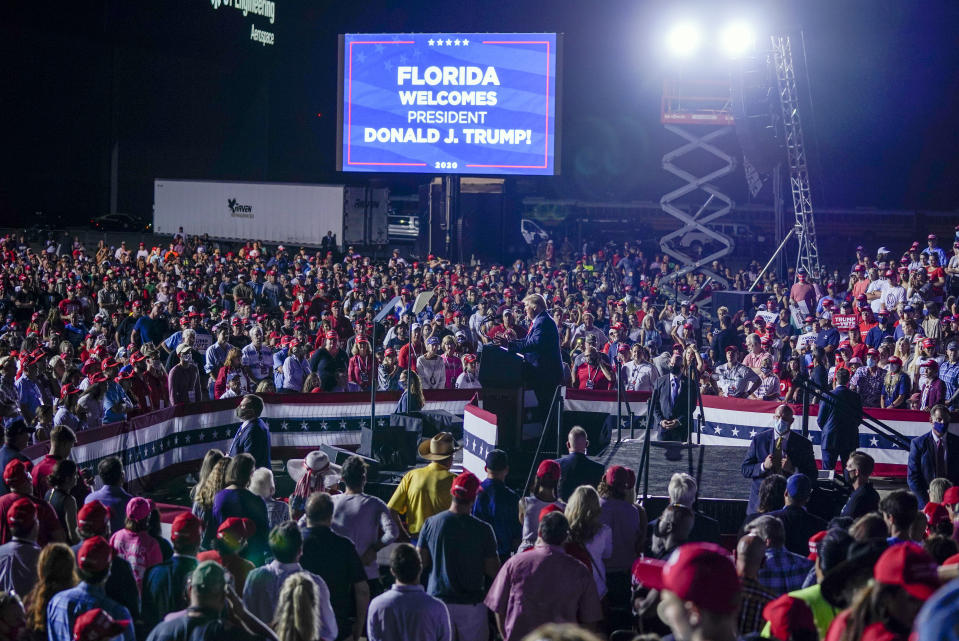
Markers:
440,447
317,462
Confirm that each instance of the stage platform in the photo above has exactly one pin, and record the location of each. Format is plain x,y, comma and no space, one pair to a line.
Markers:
722,477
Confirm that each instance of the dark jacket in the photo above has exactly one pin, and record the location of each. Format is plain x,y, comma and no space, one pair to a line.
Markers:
253,437
164,589
662,407
861,502
540,346
578,469
921,467
800,525
839,418
798,450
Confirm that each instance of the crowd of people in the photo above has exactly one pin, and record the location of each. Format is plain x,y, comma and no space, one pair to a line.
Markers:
96,336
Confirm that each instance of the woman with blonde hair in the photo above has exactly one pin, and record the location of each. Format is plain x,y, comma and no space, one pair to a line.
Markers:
587,530
56,572
361,364
210,459
203,499
297,613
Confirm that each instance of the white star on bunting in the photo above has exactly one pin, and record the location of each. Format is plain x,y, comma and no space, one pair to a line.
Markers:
285,426
304,426
752,433
736,431
718,429
324,426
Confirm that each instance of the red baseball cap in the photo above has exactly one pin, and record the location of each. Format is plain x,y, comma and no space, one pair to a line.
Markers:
910,567
236,528
98,625
951,496
187,527
620,476
928,342
552,507
813,540
17,472
697,572
94,517
548,469
95,555
330,334
22,512
139,508
469,358
465,486
788,615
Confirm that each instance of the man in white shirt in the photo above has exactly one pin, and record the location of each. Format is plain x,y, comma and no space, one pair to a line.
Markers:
734,379
892,294
639,374
262,589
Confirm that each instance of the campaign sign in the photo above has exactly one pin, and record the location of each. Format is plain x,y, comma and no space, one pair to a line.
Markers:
451,103
844,322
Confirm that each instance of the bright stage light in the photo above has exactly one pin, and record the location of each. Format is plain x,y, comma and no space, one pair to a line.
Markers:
684,39
737,39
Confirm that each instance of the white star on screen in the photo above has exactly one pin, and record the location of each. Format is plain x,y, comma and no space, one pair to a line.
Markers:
361,56
439,43
431,41
457,42
465,42
449,43
379,48
388,65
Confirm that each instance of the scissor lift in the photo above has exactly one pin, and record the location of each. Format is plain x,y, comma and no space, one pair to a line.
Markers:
698,111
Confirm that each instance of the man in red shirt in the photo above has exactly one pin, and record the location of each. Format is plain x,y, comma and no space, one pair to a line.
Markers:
17,477
802,293
594,373
62,440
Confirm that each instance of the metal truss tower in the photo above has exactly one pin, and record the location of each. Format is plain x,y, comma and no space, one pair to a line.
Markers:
808,256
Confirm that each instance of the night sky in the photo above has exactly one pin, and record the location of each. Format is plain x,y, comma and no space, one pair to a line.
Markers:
187,94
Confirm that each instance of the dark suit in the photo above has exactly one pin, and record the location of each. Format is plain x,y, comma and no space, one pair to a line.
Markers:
797,449
922,464
253,437
663,407
540,347
861,502
839,418
578,469
800,526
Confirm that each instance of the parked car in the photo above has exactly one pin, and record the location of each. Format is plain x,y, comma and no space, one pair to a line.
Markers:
403,227
119,222
533,234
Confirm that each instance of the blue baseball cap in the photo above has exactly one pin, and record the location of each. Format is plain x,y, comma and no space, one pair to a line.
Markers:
432,340
798,486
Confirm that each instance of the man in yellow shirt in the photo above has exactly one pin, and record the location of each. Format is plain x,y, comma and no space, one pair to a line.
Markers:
425,491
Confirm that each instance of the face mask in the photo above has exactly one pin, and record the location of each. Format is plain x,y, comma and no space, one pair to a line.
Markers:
870,362
939,427
808,328
781,427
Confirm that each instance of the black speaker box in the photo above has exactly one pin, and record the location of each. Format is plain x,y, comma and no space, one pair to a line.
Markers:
393,445
735,301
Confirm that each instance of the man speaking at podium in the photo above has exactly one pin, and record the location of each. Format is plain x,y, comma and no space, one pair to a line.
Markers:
540,348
